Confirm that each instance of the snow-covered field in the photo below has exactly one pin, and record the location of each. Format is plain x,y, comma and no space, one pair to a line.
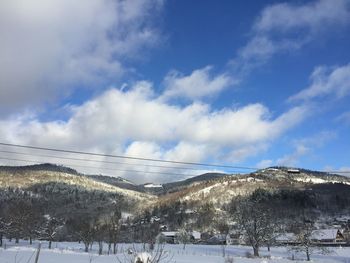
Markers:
65,252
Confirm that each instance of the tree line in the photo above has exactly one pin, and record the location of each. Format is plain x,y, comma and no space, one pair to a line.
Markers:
71,215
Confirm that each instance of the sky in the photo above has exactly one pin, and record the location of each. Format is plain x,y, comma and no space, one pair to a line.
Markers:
240,83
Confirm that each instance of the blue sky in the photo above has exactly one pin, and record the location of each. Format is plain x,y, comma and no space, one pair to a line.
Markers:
248,83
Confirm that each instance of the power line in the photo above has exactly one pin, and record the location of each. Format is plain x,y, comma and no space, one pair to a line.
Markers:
108,162
127,157
131,158
102,168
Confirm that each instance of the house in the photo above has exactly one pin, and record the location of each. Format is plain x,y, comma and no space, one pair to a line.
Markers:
219,239
286,239
163,227
195,236
171,237
154,219
236,238
271,169
167,237
328,236
293,171
152,185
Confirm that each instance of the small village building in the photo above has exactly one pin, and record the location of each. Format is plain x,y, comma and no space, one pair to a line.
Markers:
171,237
152,185
286,239
167,237
293,171
219,239
155,219
271,169
328,236
195,236
236,238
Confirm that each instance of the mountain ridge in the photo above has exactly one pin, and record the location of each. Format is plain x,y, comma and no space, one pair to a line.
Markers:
217,188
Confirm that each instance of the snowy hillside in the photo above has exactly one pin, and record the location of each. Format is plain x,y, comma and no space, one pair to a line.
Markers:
17,177
222,189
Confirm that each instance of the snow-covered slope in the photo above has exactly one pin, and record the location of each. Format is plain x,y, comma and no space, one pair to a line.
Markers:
27,177
221,190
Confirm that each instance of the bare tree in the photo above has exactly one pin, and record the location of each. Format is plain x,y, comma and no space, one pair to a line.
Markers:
304,241
50,228
23,219
255,220
100,232
84,230
112,223
3,229
158,255
146,232
224,230
205,215
3,225
183,237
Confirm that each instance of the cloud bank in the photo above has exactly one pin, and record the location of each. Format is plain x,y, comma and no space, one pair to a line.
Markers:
287,27
48,47
199,84
137,122
326,81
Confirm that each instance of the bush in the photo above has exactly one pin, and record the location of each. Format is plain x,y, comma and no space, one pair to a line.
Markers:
229,260
248,254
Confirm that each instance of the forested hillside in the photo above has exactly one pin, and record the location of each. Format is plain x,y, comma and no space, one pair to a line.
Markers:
42,199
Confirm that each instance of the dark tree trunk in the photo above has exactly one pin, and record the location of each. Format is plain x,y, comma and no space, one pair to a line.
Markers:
114,248
86,247
30,240
256,251
223,247
100,247
50,242
109,247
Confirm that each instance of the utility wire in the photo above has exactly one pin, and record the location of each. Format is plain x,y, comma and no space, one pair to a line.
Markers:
133,158
109,162
126,157
95,167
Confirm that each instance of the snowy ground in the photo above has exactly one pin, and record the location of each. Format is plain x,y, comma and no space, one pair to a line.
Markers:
73,252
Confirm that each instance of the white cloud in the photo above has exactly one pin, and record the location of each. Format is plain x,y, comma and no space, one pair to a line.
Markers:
292,159
182,151
326,81
305,146
241,153
136,122
313,16
286,27
319,139
200,83
261,48
301,147
344,170
265,163
344,118
188,152
48,46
